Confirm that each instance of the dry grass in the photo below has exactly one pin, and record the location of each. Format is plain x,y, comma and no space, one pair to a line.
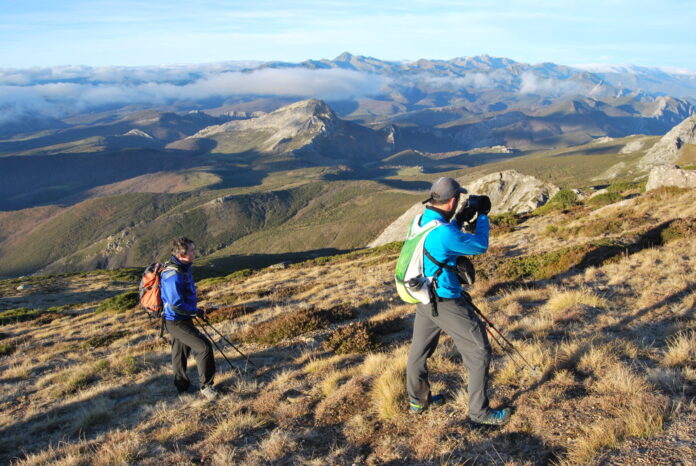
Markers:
389,393
615,343
681,350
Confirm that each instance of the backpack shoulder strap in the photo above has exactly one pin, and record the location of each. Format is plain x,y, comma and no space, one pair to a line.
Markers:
171,267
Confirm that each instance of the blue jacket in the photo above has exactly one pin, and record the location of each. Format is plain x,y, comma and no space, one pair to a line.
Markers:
447,242
178,292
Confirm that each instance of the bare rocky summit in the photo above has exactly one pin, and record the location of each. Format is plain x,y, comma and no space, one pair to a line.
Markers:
666,175
666,150
509,190
306,126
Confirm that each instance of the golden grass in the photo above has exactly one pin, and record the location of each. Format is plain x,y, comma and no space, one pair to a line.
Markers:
608,339
389,392
643,416
681,350
233,426
619,379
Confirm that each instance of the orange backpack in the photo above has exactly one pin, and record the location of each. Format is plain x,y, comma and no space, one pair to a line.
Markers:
150,294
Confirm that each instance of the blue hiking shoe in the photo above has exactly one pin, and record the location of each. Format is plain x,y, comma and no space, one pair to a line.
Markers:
415,407
495,417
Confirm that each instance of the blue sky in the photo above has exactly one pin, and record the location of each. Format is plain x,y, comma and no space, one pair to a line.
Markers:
99,33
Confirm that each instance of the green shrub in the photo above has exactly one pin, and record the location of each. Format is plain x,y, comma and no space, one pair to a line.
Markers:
297,323
604,199
236,276
23,314
229,313
356,337
6,348
103,340
627,187
680,228
119,303
562,200
542,266
504,223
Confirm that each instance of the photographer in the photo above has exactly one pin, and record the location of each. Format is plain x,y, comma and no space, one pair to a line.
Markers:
450,312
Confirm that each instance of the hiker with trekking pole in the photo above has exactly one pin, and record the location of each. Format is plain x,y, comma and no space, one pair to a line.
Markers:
429,273
179,309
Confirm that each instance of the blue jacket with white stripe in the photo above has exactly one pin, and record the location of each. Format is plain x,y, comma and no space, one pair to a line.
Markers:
447,242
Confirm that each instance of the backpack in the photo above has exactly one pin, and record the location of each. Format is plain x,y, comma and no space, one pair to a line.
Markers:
151,293
411,283
149,290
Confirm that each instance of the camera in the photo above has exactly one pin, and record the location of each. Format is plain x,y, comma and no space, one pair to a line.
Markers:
479,204
474,202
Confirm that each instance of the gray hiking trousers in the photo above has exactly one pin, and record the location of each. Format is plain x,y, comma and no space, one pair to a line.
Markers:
457,319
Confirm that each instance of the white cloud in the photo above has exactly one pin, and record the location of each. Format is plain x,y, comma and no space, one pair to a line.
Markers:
530,83
71,89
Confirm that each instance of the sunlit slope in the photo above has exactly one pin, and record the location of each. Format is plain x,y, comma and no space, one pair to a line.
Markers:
599,297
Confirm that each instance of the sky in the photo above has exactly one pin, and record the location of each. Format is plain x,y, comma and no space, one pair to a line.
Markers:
45,33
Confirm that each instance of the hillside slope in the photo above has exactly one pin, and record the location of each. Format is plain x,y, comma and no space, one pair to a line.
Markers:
600,298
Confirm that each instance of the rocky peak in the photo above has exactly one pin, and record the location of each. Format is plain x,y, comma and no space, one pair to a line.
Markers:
510,191
666,150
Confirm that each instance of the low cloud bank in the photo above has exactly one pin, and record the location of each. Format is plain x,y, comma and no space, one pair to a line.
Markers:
66,90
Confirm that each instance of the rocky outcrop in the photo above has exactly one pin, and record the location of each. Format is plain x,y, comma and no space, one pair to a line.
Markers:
510,191
671,176
666,150
398,229
307,126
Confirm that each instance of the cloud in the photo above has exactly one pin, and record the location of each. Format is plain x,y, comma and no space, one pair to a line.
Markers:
531,83
67,90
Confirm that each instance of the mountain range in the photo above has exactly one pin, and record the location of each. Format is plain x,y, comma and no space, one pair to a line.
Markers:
257,170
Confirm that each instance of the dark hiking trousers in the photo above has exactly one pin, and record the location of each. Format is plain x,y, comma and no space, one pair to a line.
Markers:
458,320
186,339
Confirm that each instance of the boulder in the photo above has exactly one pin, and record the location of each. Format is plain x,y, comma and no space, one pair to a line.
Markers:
671,175
510,191
398,229
666,150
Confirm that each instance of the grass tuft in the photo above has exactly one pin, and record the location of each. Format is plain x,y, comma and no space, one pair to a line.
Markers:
389,392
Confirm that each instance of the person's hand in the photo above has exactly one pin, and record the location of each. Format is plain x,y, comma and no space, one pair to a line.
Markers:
202,314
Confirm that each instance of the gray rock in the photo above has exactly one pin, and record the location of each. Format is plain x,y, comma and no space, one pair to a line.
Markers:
666,150
510,191
666,175
598,192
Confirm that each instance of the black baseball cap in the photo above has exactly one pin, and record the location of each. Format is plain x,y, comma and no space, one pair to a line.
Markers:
444,189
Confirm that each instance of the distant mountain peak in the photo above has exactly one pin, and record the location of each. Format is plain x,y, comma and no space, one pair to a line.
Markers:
345,56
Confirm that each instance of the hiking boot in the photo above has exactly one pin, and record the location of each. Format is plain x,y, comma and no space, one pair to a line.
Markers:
209,392
495,417
415,407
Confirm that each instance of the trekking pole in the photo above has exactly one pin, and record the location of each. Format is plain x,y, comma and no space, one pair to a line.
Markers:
219,349
492,326
227,341
502,347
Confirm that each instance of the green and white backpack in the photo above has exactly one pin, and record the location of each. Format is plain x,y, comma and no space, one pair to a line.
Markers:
411,283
